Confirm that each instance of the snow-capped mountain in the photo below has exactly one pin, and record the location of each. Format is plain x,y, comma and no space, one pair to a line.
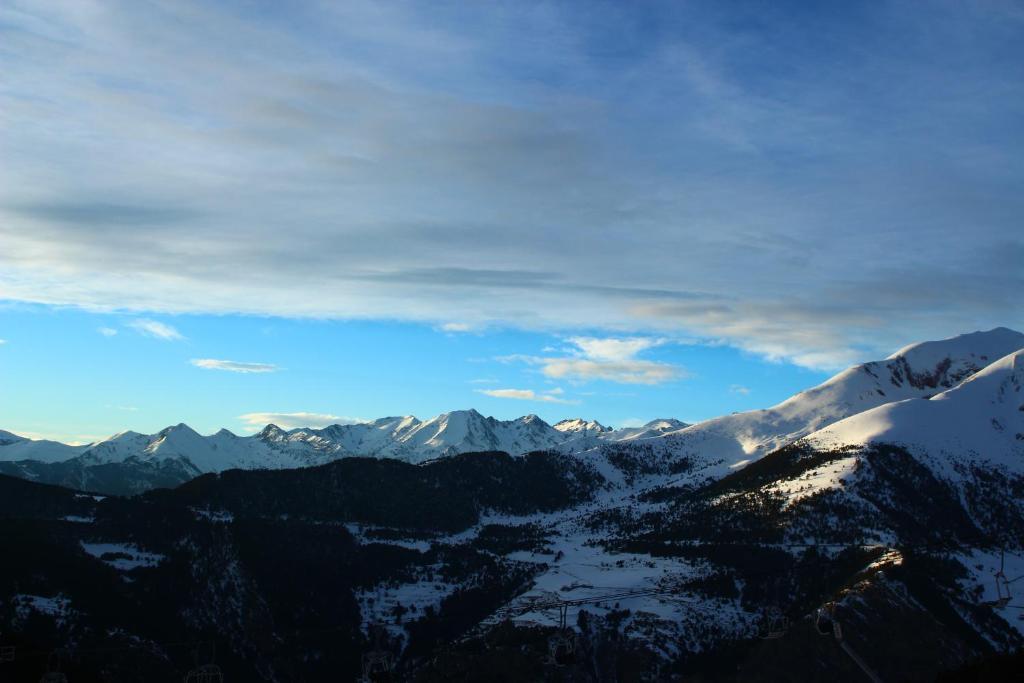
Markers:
708,449
654,428
413,440
982,417
130,461
14,447
578,425
916,371
214,453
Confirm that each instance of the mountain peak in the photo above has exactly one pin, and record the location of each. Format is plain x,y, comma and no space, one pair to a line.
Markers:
578,424
272,431
985,344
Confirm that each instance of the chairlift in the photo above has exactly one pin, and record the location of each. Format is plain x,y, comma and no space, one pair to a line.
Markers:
378,663
562,649
378,667
562,645
53,673
207,673
6,653
774,624
1002,585
825,623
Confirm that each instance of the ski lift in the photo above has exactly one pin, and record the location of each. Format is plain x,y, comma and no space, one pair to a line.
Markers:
53,673
378,663
825,622
774,624
205,673
1002,585
378,666
562,645
6,653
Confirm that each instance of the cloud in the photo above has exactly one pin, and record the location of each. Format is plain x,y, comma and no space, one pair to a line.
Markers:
525,395
484,380
739,389
130,409
613,350
107,331
610,359
434,167
456,327
233,366
295,420
2,342
156,329
62,437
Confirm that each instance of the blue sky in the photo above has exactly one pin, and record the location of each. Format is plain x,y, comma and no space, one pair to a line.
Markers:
768,190
84,375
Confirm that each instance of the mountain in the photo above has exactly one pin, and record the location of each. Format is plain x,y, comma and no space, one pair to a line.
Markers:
14,447
130,462
133,462
720,445
578,425
461,431
983,416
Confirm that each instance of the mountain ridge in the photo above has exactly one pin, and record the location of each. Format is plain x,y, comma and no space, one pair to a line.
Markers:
710,449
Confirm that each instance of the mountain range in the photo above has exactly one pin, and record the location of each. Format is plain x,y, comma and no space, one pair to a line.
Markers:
882,509
130,462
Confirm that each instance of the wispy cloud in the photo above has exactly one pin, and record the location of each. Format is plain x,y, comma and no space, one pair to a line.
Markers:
107,331
156,329
129,409
456,327
65,438
739,389
233,365
610,359
2,342
526,395
295,420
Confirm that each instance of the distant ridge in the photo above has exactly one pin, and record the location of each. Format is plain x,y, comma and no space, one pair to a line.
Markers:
712,448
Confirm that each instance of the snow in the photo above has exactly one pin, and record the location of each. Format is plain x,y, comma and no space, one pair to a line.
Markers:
827,476
360,533
982,566
378,605
983,416
918,371
79,519
14,448
136,558
57,606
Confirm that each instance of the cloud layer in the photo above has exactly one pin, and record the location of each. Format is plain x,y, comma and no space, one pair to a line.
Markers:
233,365
294,420
815,185
526,395
609,359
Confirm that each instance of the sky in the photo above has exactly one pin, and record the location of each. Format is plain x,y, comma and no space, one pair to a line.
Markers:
223,212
